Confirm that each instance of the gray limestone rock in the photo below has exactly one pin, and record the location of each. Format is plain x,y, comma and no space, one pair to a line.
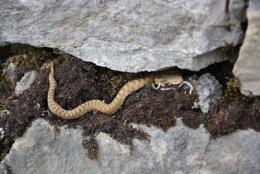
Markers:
247,67
25,82
10,71
3,169
208,90
124,35
237,153
2,133
42,150
238,9
11,67
179,150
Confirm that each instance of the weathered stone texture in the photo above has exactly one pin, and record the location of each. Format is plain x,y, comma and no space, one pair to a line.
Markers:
182,150
247,67
124,35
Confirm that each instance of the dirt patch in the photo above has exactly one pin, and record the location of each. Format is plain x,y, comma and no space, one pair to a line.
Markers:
79,81
230,116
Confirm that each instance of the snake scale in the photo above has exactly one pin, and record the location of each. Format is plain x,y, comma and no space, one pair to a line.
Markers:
99,105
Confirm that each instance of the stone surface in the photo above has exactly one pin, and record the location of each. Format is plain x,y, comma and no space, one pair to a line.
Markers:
247,67
179,150
125,35
10,71
208,90
12,67
238,9
3,169
236,153
2,133
25,82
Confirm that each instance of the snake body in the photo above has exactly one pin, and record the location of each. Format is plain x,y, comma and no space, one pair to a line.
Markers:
99,105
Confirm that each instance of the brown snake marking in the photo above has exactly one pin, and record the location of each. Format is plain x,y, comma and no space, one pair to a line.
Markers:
99,105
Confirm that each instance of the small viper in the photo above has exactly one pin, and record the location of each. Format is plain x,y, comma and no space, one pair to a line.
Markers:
99,105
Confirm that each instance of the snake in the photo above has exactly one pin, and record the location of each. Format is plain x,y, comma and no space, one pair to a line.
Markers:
98,105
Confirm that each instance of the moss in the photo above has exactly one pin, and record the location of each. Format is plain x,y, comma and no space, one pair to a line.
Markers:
119,79
25,58
231,52
92,148
6,87
232,92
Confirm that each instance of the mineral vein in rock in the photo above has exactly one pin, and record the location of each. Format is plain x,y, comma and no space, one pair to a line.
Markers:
99,105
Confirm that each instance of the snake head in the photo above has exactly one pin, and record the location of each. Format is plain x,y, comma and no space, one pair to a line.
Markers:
169,79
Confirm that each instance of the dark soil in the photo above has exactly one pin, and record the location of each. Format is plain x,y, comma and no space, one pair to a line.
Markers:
79,81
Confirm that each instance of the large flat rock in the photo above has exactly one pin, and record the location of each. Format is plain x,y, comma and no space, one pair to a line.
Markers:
125,35
179,150
247,67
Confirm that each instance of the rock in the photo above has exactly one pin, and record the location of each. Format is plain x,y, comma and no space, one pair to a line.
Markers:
235,153
25,82
179,150
238,9
125,35
247,67
2,133
3,169
12,67
208,90
42,150
10,72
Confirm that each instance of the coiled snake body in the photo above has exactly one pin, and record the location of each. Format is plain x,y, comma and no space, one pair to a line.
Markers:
99,105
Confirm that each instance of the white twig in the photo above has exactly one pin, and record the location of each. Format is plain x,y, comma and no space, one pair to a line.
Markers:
187,83
167,89
159,85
